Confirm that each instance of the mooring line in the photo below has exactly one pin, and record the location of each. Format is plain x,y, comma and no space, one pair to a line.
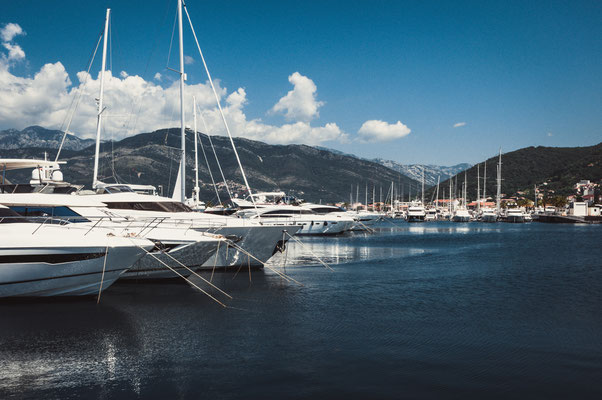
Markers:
308,249
102,277
183,277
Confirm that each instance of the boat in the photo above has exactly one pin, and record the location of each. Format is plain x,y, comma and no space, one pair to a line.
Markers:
514,215
488,215
461,215
430,214
181,248
39,257
416,212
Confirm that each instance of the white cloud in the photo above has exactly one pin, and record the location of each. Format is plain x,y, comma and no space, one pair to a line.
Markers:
380,131
134,105
300,103
7,34
188,60
9,31
15,52
459,124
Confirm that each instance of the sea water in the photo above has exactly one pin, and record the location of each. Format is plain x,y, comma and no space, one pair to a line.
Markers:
429,310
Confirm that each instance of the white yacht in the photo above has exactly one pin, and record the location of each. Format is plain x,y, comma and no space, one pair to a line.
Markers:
488,215
416,212
514,215
188,247
430,214
308,221
39,258
461,215
258,240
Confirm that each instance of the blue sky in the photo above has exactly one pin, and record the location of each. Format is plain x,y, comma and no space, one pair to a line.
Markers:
509,74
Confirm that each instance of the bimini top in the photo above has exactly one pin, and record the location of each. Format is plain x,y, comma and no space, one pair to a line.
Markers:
8,164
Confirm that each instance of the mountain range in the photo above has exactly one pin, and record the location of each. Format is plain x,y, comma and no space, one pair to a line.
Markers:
152,158
414,171
36,136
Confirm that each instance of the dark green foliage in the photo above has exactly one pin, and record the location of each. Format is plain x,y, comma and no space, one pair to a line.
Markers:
560,167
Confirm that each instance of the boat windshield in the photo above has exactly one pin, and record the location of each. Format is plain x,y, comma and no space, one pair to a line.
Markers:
162,206
8,216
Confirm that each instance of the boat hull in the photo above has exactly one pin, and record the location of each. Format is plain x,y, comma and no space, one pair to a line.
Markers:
79,277
261,241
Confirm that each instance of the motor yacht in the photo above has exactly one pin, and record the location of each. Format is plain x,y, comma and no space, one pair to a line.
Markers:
48,257
416,212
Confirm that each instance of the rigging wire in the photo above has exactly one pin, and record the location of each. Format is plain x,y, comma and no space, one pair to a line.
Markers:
76,99
215,155
220,109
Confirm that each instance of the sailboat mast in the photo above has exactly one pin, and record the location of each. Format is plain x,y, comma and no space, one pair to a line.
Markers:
100,98
485,181
437,200
478,185
423,185
499,183
182,119
196,156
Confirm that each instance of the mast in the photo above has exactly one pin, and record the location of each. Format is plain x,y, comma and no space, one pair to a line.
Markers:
478,185
100,98
373,195
499,183
366,196
485,180
450,204
465,187
422,186
357,195
182,119
437,201
196,157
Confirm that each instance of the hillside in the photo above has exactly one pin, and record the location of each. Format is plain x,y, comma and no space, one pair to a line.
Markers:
36,136
559,167
152,158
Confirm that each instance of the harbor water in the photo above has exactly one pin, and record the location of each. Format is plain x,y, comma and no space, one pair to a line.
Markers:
429,310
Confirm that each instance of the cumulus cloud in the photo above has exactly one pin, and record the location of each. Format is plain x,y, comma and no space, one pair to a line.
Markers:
459,124
135,105
299,104
9,31
381,131
7,34
188,60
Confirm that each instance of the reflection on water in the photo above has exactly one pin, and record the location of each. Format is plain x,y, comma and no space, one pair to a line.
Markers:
417,310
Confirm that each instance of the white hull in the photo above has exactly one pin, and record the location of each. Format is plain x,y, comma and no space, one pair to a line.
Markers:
192,255
259,240
51,269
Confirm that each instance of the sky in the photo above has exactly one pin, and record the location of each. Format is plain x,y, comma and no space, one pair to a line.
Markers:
412,81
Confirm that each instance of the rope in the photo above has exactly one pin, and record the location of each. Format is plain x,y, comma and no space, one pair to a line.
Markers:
183,277
312,253
197,275
102,278
284,276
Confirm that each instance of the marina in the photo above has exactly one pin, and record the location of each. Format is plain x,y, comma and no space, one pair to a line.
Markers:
166,233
